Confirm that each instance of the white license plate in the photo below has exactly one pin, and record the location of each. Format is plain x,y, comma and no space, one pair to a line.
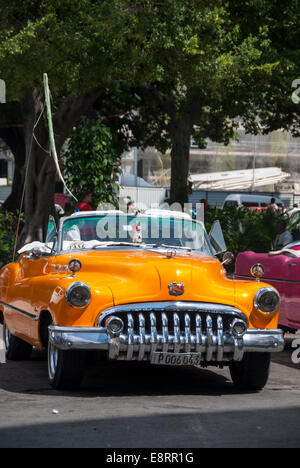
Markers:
175,359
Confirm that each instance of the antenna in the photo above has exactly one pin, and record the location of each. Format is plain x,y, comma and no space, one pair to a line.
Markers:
51,134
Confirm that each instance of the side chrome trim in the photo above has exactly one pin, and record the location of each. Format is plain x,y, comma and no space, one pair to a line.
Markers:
20,311
266,280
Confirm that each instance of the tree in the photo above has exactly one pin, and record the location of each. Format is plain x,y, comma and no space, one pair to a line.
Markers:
197,65
272,108
83,46
216,62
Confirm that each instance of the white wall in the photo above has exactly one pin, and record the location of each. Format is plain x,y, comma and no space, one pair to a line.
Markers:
144,197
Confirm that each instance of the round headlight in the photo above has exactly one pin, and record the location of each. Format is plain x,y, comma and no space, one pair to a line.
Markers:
267,300
78,295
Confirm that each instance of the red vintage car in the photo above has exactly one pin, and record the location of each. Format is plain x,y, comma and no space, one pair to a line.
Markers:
281,270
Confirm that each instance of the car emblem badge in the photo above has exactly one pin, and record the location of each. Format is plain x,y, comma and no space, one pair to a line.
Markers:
176,289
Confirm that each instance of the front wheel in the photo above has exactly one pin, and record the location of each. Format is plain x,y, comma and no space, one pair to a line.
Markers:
65,368
16,349
252,372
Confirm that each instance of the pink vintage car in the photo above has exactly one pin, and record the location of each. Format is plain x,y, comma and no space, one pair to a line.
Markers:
280,269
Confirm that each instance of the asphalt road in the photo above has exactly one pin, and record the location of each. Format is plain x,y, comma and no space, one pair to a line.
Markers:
137,406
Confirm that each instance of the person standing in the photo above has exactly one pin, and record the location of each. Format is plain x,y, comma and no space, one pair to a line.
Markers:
283,237
85,204
273,207
87,232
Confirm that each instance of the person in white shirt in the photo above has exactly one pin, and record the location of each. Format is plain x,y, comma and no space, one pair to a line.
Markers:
294,209
283,237
273,207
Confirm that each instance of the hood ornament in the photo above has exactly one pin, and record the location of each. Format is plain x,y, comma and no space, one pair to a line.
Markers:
176,289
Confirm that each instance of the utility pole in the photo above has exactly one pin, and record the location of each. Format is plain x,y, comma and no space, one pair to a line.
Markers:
254,164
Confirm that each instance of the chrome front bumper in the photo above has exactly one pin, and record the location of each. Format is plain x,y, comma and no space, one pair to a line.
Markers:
219,347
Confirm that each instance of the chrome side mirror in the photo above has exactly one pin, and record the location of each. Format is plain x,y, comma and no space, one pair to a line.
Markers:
228,258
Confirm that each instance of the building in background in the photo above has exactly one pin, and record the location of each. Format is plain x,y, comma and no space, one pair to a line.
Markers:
7,167
278,154
275,150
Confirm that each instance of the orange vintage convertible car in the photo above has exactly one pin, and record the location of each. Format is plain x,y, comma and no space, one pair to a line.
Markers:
144,287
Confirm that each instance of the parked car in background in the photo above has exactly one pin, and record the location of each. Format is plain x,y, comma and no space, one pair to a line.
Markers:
144,287
281,270
249,201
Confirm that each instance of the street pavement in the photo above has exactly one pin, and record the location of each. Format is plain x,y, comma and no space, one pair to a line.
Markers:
135,406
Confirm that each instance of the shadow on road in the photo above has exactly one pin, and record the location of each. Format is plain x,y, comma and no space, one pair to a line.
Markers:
276,427
118,379
123,379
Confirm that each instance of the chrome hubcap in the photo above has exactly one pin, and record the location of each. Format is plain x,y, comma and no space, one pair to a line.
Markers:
7,336
52,360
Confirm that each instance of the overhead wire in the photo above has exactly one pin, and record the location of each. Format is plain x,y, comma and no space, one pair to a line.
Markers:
25,180
55,158
51,135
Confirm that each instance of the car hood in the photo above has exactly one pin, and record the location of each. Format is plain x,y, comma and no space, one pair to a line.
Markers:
135,276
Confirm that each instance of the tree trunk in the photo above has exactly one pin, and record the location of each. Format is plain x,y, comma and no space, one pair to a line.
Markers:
40,168
181,131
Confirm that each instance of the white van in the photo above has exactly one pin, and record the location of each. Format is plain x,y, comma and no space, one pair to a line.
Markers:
244,199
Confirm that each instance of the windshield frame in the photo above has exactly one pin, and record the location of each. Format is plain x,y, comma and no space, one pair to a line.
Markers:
65,219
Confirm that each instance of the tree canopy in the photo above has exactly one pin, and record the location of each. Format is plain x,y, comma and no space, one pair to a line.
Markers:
83,46
189,68
80,45
218,64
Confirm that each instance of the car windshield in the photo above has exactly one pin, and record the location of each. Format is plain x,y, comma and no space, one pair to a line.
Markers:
89,232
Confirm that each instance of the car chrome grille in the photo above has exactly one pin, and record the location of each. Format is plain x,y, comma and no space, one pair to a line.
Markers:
174,320
175,328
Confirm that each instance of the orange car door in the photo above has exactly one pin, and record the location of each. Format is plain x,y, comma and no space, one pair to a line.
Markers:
21,316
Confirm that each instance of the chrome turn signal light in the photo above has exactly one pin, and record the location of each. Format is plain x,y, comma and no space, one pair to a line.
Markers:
238,328
114,326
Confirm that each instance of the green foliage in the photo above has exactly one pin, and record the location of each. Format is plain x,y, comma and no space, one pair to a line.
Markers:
91,162
244,229
294,222
80,44
213,64
8,228
202,63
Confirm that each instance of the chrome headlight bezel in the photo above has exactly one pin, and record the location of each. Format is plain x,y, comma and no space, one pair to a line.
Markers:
71,289
258,298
